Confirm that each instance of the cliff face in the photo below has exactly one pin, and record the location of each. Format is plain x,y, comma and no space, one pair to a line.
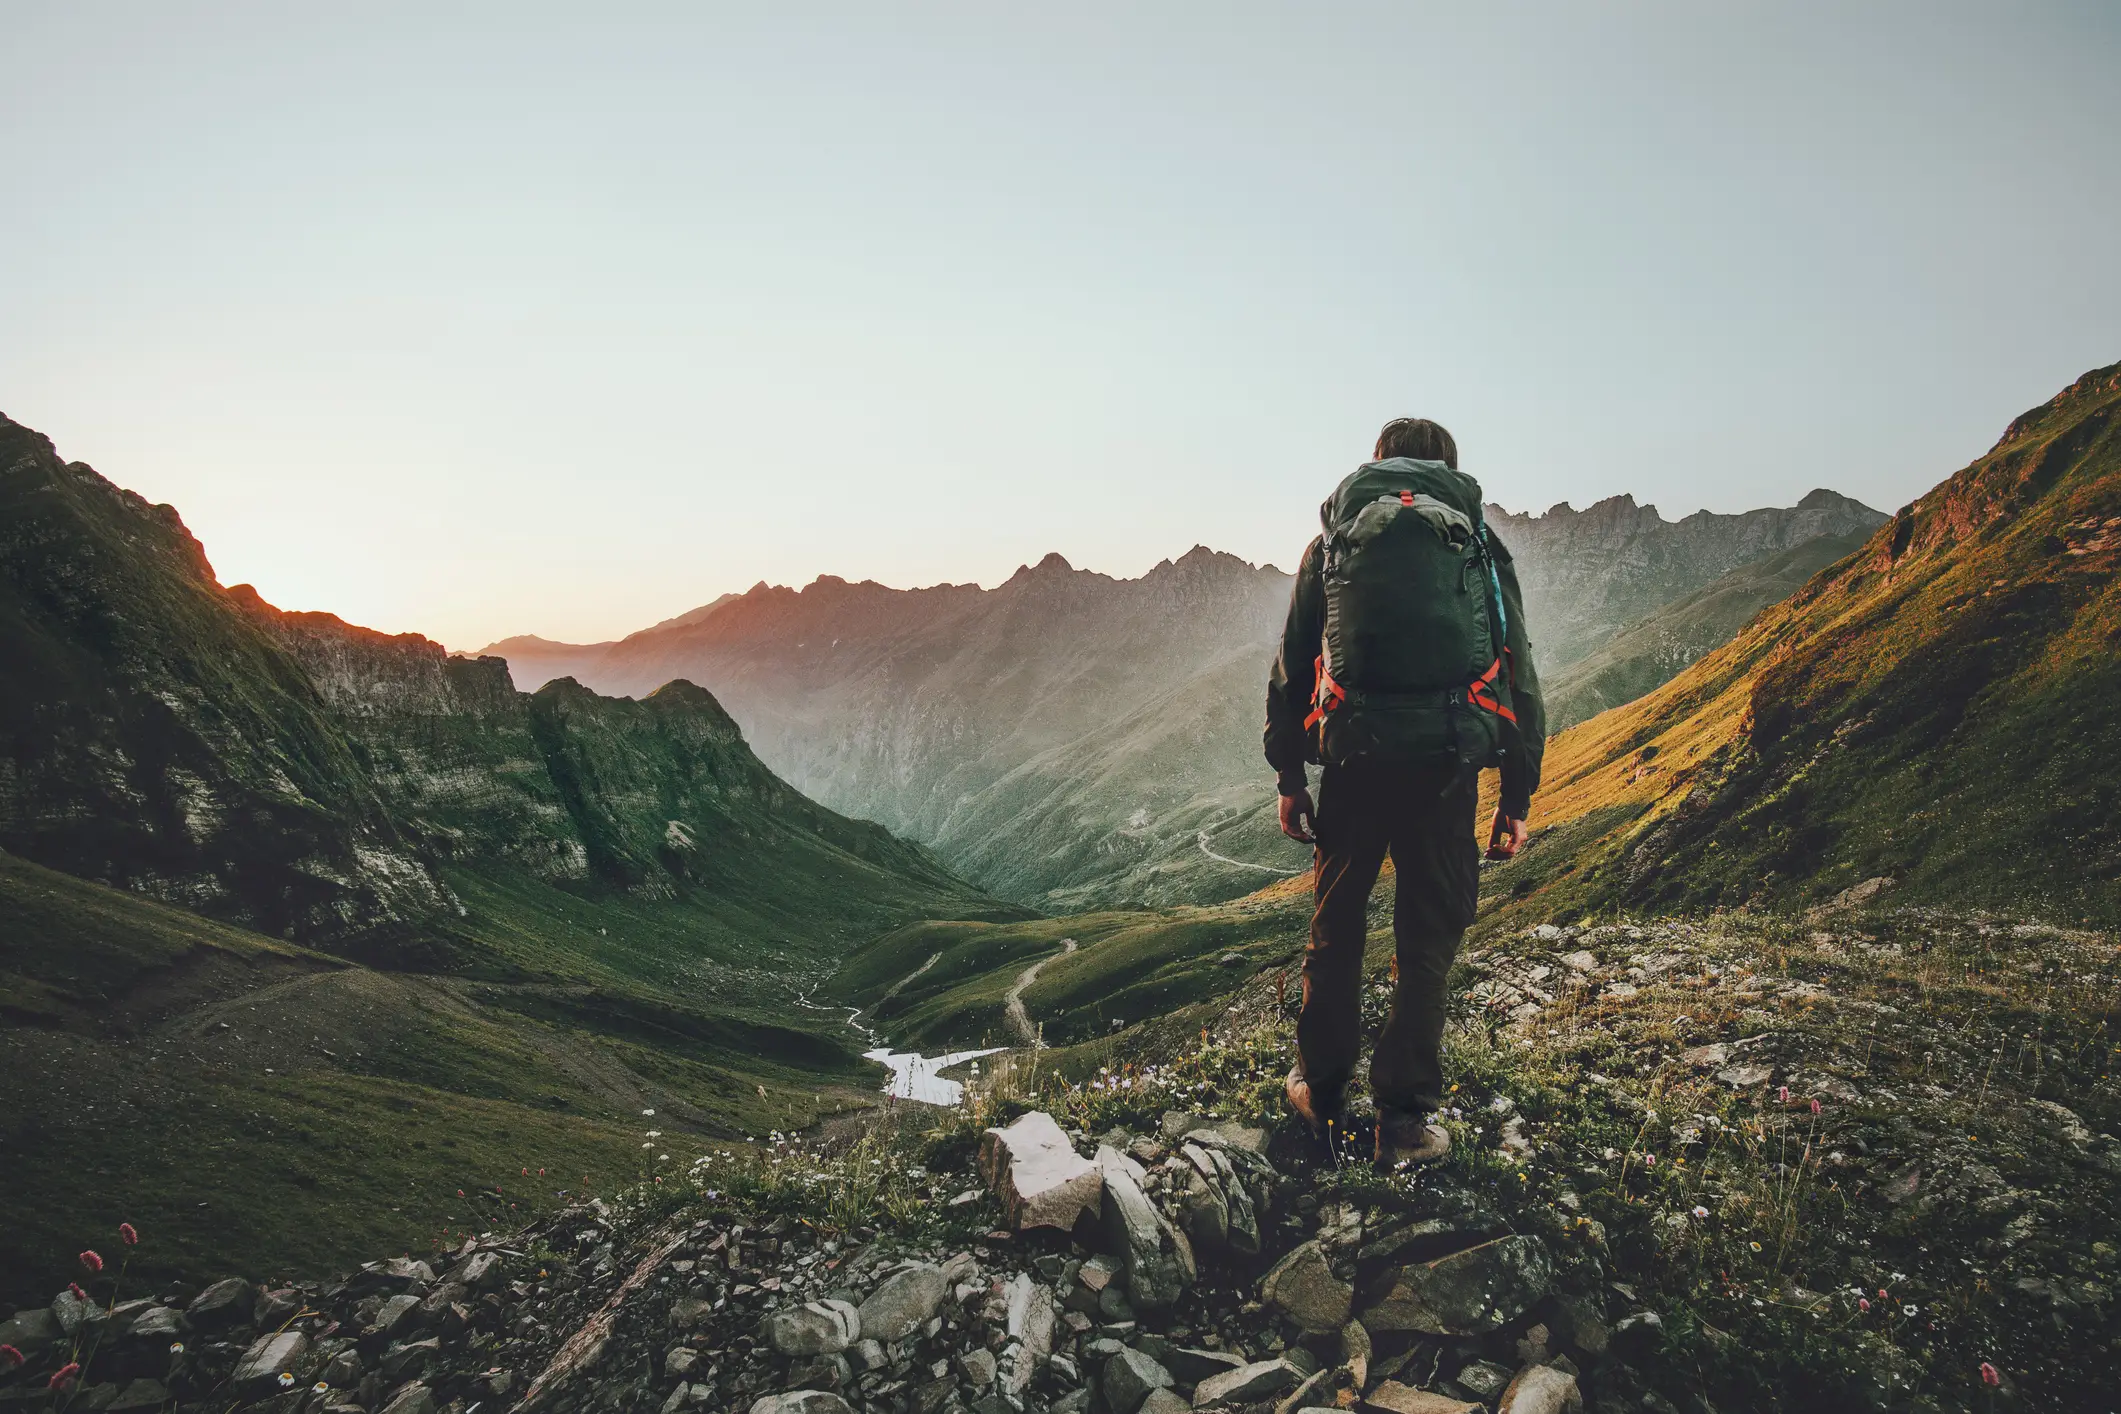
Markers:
1588,574
312,779
154,738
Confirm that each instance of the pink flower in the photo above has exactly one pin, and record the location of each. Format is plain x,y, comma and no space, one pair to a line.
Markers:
75,1288
1863,1303
129,1233
1784,1092
1989,1375
9,1357
91,1261
63,1377
1815,1107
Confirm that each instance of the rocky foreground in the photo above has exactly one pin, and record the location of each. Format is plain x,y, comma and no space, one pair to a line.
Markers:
1852,1161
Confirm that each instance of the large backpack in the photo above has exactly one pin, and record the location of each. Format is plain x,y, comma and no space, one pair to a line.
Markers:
1413,666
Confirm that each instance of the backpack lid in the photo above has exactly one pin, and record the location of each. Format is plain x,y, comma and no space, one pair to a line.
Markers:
1392,476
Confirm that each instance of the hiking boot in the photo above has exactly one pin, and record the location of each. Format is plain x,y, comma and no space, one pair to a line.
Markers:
1404,1138
1313,1108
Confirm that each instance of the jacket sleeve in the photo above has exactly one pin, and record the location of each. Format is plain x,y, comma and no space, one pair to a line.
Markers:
1295,672
1526,747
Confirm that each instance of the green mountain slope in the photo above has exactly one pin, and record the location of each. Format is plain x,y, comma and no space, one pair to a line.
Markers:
560,909
1652,651
1940,709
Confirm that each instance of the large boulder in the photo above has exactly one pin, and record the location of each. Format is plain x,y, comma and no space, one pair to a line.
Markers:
815,1328
903,1303
224,1304
1465,1293
1302,1287
1036,1173
31,1331
1541,1389
1127,1379
1158,1258
1247,1384
1392,1397
269,1356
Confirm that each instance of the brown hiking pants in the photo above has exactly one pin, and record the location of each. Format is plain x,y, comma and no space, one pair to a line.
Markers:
1424,818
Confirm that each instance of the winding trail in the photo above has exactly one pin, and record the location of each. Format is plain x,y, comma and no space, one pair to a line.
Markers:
933,959
1202,841
1013,1005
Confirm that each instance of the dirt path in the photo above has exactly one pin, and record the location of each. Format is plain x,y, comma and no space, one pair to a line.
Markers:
1013,1005
933,958
1202,841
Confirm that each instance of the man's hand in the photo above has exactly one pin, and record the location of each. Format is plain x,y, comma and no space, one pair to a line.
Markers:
1505,837
1298,818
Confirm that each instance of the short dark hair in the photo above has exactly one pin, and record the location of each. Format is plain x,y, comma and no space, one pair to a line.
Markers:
1419,438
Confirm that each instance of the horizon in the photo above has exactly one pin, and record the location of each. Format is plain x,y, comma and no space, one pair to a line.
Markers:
511,321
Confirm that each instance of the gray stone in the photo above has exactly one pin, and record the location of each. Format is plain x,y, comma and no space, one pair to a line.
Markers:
1392,1397
1189,1366
902,1304
157,1324
273,1308
679,1399
480,1271
31,1331
1465,1293
1302,1287
680,1361
1075,1401
409,1361
1164,1401
413,1399
816,1328
1484,1378
977,1366
1036,1174
259,1371
394,1315
1247,1384
72,1312
1541,1389
1159,1261
866,1355
224,1304
1127,1379
804,1401
819,1372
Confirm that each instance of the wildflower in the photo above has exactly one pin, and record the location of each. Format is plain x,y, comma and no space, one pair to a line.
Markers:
176,1347
1881,1293
1700,1212
287,1379
1863,1303
1754,1245
460,1192
320,1387
75,1288
1783,1093
1909,1309
9,1357
1649,1161
63,1377
651,1113
1815,1107
91,1261
1989,1375
130,1234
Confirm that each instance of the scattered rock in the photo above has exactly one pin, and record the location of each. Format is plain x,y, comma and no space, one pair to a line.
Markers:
224,1304
1465,1293
1541,1389
803,1401
1392,1397
413,1399
1302,1287
1247,1384
1036,1174
1128,1377
31,1331
904,1302
259,1371
1159,1260
816,1328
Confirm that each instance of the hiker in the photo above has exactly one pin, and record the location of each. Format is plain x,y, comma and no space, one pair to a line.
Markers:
1404,669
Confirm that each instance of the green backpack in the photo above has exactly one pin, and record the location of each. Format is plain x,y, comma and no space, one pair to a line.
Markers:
1412,668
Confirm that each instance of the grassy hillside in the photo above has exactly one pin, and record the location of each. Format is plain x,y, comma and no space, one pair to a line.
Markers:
1939,710
1651,652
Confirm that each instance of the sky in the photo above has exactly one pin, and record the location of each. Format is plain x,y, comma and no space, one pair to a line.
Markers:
478,320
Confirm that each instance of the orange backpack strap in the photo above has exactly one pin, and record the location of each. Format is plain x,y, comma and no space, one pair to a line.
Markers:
1481,693
1326,696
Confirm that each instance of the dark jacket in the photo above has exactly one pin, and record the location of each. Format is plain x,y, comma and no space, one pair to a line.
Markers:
1289,687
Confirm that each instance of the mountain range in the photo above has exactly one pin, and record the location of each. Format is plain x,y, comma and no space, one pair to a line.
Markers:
1071,740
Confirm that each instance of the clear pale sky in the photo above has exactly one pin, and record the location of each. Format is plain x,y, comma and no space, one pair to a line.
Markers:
478,320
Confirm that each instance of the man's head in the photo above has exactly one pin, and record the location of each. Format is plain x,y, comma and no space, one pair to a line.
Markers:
1419,438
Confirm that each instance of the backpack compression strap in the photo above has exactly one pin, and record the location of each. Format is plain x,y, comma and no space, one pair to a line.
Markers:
1481,693
1327,695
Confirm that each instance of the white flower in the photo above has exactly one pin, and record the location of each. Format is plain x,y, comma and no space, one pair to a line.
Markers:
1701,1212
650,1113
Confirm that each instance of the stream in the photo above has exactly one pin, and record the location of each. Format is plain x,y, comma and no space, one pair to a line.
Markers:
913,1076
